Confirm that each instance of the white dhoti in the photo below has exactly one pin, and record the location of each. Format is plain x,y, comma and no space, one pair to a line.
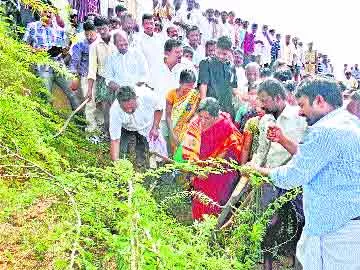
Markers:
338,250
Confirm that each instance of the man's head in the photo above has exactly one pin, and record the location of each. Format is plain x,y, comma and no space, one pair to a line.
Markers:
193,36
127,23
223,49
238,22
148,24
120,10
190,5
265,28
356,66
217,13
254,28
158,27
290,87
127,99
187,79
295,41
102,27
45,17
245,25
188,53
231,17
272,32
224,16
172,32
317,97
210,48
121,41
90,31
173,52
283,74
252,72
272,96
348,74
115,23
287,39
210,13
238,58
310,46
265,73
354,105
278,37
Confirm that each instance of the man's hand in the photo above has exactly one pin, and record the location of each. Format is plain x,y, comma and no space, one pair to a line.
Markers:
274,134
253,166
89,96
114,86
154,134
74,85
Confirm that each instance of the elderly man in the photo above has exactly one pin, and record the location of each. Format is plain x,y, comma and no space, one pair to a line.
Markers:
134,113
172,32
326,165
252,75
127,67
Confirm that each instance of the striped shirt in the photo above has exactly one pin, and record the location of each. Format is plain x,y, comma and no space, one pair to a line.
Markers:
327,166
44,37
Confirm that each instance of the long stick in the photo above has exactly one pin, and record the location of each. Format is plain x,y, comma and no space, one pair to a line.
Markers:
239,190
70,117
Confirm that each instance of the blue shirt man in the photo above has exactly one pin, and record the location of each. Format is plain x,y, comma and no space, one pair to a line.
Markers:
327,166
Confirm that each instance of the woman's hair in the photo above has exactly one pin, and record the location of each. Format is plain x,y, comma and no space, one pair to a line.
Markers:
187,76
210,105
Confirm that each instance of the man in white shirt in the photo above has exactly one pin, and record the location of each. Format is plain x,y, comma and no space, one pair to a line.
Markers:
225,28
167,77
272,96
287,52
134,114
151,45
265,47
240,71
127,67
193,38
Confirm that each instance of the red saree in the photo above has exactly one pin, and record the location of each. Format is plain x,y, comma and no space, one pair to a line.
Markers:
224,140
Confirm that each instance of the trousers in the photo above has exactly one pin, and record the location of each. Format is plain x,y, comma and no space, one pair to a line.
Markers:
339,250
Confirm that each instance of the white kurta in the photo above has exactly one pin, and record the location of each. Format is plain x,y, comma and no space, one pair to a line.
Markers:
126,69
153,50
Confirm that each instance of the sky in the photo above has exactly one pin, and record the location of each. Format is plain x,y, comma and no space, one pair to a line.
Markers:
332,25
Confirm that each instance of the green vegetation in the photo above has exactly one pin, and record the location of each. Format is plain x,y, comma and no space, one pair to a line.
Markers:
64,205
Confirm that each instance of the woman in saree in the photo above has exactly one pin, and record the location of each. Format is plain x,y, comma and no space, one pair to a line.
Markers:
181,105
212,134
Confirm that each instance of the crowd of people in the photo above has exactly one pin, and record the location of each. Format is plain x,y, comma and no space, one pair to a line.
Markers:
190,85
